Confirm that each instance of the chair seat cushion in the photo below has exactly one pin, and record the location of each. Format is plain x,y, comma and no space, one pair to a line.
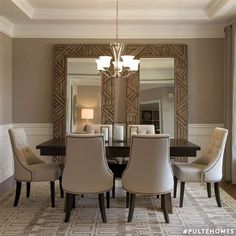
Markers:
188,172
45,172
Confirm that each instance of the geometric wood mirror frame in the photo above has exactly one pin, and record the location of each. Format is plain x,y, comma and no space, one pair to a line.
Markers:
61,53
180,55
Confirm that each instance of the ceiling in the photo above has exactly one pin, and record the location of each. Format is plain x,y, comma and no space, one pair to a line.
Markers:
96,18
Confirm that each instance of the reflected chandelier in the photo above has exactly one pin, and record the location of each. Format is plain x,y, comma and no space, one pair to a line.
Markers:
121,68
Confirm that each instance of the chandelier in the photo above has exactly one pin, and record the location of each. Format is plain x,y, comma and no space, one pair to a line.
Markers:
120,68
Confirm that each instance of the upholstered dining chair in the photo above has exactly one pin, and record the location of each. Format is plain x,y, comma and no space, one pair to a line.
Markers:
86,170
29,168
140,129
207,168
149,171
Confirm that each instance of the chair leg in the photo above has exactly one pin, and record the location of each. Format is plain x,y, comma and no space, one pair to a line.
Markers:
164,207
102,207
217,193
68,206
131,207
108,199
209,190
28,189
158,196
52,187
61,189
18,190
182,194
127,199
175,186
114,187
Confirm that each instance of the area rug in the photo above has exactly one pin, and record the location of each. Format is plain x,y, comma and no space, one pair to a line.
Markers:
34,216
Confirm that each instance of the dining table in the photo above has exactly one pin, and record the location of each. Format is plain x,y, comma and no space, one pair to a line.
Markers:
121,149
178,148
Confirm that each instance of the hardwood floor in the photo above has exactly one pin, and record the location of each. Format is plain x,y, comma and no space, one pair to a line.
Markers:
229,188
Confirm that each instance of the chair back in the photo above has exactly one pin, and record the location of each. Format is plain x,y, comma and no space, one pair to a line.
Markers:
213,156
106,129
140,129
149,170
86,169
22,153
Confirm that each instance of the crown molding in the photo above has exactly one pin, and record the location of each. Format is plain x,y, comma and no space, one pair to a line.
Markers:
126,31
219,7
6,26
25,7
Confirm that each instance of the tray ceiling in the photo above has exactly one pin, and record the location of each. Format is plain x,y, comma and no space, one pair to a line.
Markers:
96,18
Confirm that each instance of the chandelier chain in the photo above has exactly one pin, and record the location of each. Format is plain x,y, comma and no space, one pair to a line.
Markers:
117,9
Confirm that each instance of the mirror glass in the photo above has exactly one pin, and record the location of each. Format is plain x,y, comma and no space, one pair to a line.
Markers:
157,94
83,94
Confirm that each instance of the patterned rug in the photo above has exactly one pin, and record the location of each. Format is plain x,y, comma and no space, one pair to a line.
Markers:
34,216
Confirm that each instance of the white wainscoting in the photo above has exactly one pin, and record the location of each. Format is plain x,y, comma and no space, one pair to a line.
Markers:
200,134
40,132
6,158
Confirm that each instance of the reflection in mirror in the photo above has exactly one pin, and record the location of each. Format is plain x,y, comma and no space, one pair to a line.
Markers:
83,94
157,94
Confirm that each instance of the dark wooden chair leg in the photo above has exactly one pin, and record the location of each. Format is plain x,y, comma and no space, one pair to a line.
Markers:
28,189
52,187
158,196
82,195
102,207
217,193
66,203
114,188
73,203
108,199
209,190
164,207
182,194
131,207
61,189
175,186
127,199
18,190
69,200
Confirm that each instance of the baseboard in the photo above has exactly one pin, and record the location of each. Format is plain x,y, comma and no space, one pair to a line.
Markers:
7,184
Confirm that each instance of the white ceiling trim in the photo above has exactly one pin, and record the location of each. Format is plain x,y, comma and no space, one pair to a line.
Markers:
25,7
125,32
6,26
124,14
219,7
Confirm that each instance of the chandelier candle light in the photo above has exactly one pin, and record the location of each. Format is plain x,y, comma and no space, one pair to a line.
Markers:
121,69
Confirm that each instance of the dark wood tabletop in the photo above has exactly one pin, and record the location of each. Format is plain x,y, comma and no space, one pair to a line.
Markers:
178,147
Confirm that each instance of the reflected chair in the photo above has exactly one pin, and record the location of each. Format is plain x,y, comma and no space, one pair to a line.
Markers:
149,171
29,168
86,170
138,129
207,168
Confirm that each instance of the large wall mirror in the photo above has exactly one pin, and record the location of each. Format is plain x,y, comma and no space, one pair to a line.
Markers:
83,94
135,98
156,94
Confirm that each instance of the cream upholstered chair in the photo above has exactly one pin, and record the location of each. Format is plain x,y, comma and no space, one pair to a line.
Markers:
86,170
149,171
207,168
98,128
140,129
29,168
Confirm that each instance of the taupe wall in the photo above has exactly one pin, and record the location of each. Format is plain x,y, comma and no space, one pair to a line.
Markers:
33,79
5,79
